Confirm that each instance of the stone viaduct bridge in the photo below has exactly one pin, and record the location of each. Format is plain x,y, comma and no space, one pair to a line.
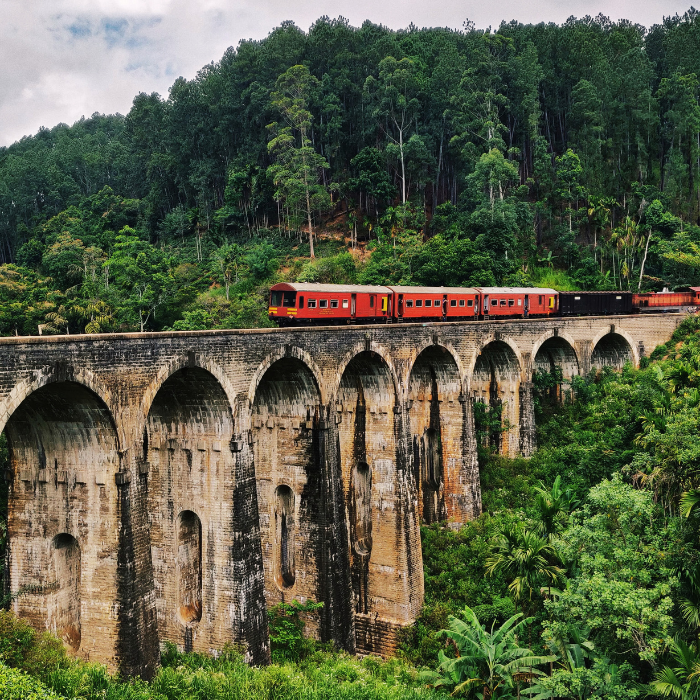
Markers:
173,486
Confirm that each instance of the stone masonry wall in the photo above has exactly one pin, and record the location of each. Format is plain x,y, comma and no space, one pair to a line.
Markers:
173,486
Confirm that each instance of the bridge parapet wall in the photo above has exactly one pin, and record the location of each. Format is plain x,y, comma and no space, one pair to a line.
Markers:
210,474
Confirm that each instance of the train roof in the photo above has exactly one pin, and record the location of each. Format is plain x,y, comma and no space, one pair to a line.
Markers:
433,290
609,291
330,288
516,290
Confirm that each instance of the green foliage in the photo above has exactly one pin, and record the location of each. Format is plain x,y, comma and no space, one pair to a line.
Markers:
16,685
486,661
622,555
23,648
287,640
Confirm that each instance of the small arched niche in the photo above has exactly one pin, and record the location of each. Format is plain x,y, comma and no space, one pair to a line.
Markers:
63,605
189,567
285,575
612,350
361,509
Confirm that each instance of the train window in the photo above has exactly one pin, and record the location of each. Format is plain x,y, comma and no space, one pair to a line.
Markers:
618,297
428,302
511,302
312,303
289,298
345,303
334,303
551,302
470,302
503,302
301,302
275,298
541,300
371,301
577,298
453,302
323,303
520,302
494,302
409,303
419,302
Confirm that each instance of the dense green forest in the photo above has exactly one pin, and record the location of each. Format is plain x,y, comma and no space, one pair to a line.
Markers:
580,580
566,155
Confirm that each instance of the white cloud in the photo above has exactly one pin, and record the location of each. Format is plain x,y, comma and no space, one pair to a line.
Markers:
62,59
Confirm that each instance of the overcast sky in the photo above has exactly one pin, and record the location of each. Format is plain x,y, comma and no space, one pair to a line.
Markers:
62,59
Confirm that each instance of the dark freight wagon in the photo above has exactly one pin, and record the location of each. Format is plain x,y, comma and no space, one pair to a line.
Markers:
594,303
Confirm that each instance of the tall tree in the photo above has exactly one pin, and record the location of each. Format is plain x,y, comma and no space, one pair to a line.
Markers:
295,172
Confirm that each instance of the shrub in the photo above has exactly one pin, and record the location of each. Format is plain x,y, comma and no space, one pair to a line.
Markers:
16,685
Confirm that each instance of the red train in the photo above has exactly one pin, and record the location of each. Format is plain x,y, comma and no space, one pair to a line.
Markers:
313,304
328,304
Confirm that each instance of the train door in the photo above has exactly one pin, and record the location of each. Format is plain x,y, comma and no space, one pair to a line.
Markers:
444,305
385,305
399,307
526,308
486,304
372,304
353,305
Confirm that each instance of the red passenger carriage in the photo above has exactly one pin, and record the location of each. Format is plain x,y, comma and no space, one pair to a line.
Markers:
435,303
306,303
517,302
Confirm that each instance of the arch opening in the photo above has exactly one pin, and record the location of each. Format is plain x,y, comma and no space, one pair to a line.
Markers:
287,423
612,350
495,387
434,390
555,363
367,447
62,517
188,468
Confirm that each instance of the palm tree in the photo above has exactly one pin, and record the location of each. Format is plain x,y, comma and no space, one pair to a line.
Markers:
552,504
525,558
492,662
690,500
681,679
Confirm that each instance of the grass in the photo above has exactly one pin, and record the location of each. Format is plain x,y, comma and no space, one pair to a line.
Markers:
553,279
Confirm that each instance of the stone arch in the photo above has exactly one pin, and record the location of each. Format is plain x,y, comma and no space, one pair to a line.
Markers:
572,357
435,402
62,513
556,352
168,370
613,348
374,475
60,372
377,350
189,463
292,352
287,424
495,380
421,348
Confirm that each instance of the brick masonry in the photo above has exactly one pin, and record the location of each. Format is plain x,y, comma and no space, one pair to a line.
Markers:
173,486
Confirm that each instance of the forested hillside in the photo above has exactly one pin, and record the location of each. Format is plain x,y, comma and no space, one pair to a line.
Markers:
564,155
